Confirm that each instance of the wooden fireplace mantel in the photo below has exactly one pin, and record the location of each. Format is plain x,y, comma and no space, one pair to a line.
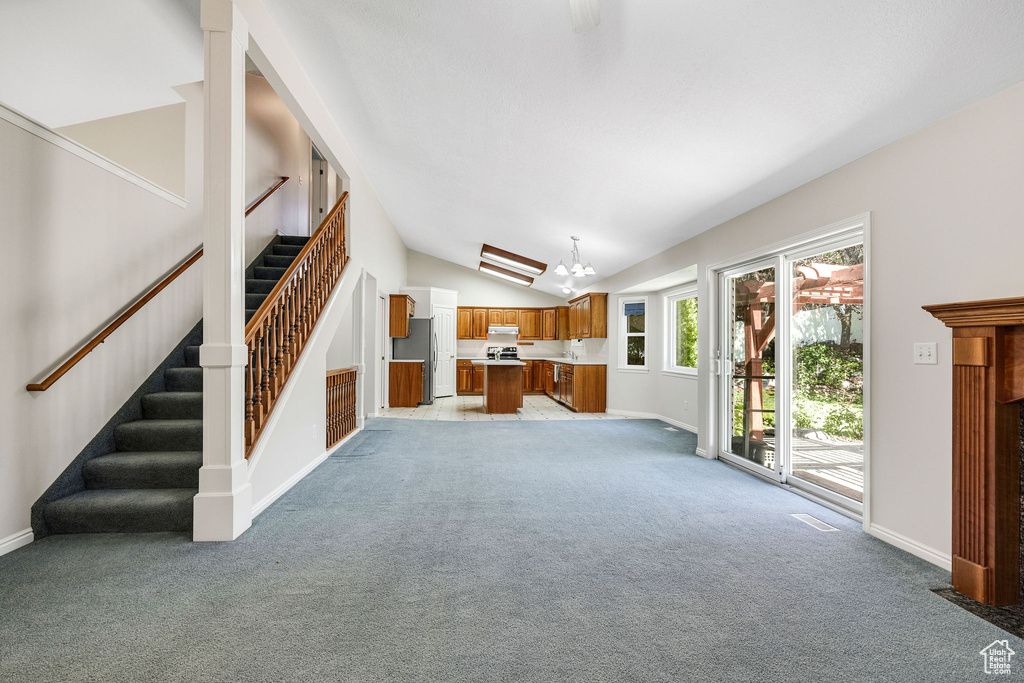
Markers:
988,382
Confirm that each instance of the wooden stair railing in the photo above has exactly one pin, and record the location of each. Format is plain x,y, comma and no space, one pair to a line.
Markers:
134,308
341,404
280,328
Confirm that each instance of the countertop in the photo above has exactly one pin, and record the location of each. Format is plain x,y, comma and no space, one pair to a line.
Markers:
399,360
484,361
563,361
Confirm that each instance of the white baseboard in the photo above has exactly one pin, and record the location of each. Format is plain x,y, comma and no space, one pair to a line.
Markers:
272,497
15,541
652,416
701,452
932,555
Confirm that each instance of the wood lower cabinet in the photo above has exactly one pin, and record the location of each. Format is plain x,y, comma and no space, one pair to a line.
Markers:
405,384
549,378
565,382
469,378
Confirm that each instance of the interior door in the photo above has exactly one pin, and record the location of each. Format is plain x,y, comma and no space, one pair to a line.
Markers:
748,368
382,319
444,349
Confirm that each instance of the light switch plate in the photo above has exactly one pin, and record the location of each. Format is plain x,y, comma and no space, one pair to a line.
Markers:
925,353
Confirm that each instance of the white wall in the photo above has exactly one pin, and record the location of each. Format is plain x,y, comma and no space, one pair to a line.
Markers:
149,142
83,243
946,210
275,146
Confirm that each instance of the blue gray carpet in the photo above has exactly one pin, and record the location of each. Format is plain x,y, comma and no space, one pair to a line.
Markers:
500,551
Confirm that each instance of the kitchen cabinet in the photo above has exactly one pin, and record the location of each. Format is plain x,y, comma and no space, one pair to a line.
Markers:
469,378
549,378
565,388
511,317
549,323
527,375
403,307
496,316
464,323
588,317
479,323
530,324
405,384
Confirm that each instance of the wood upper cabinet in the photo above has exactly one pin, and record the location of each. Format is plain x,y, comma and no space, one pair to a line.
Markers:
496,316
479,323
530,323
403,307
464,324
511,317
549,324
588,317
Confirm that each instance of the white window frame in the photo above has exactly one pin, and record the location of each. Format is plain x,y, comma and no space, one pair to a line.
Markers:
623,367
671,298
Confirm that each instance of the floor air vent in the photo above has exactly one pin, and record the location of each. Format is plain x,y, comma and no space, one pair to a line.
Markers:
815,522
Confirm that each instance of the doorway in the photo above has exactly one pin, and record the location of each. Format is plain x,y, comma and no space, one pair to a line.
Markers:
382,347
318,199
792,350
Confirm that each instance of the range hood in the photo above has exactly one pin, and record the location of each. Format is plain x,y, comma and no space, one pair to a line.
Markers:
503,329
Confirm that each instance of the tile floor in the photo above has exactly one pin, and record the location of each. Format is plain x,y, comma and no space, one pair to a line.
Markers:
464,408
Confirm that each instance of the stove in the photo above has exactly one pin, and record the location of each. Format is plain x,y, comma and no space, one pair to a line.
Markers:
503,352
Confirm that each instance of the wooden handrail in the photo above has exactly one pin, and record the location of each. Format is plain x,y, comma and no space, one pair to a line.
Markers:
129,312
279,330
266,195
341,371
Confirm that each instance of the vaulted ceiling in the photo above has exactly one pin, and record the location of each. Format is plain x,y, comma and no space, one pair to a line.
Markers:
494,122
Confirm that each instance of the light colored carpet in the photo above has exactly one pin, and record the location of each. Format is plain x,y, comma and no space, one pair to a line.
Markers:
499,551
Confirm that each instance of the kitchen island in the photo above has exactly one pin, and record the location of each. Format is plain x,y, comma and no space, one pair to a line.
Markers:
503,385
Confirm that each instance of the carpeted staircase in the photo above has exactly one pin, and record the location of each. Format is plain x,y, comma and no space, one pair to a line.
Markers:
148,482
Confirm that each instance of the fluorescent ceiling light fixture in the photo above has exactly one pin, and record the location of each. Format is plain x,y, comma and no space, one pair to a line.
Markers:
512,259
505,274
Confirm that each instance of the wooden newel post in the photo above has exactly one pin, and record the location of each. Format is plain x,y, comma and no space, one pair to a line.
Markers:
988,383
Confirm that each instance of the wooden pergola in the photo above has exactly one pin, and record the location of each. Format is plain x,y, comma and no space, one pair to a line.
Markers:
818,283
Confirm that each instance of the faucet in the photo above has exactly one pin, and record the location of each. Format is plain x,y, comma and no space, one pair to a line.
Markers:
570,353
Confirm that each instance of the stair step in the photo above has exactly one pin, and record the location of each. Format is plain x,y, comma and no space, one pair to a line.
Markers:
253,301
173,405
276,261
293,240
192,356
254,286
249,313
287,249
159,435
144,470
267,273
183,379
122,511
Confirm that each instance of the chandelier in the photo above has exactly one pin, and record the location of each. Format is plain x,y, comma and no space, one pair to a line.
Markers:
577,269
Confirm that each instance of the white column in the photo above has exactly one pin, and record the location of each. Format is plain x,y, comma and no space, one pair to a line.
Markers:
223,507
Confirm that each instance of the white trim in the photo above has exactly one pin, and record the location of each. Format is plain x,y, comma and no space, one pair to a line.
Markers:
669,298
291,481
703,453
681,372
430,289
68,145
15,541
652,416
624,334
936,557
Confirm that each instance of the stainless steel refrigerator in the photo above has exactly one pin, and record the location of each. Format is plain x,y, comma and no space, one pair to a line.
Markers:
421,344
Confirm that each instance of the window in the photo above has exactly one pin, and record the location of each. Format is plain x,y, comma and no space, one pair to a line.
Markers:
633,339
681,346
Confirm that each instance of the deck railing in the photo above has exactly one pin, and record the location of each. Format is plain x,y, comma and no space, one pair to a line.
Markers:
341,404
278,332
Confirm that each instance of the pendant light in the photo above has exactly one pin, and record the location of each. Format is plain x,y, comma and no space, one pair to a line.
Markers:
577,269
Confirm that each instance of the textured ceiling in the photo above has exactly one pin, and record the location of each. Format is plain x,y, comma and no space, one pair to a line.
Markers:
68,61
494,122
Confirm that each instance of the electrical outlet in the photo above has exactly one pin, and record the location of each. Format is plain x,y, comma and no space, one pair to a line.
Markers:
925,354
686,405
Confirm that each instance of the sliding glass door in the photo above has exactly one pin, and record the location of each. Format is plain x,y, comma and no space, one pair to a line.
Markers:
749,363
791,382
